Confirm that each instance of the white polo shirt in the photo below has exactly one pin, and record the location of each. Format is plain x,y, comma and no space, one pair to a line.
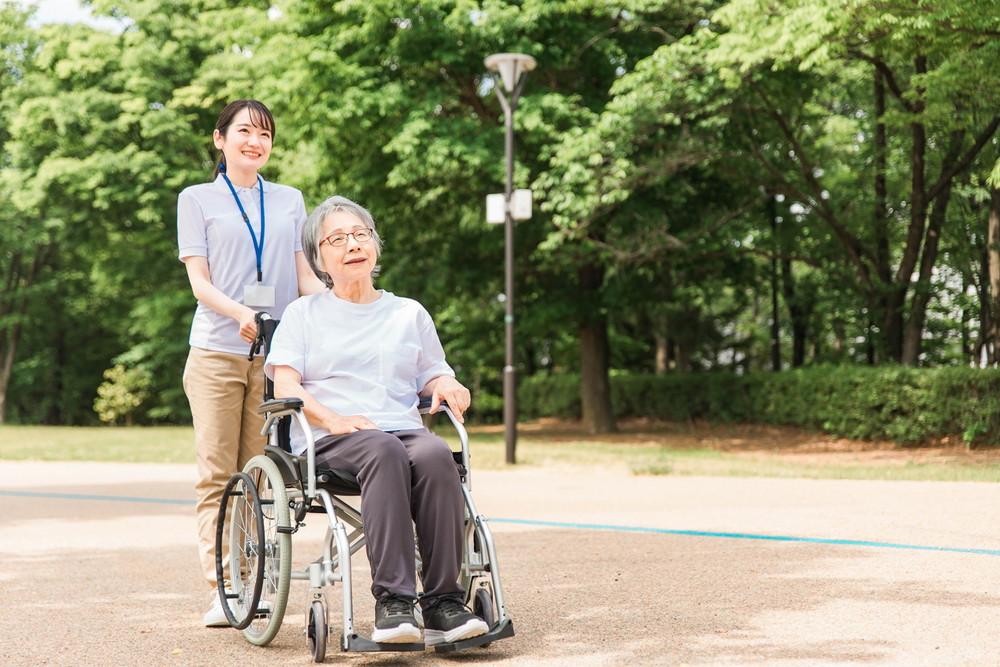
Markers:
360,359
209,224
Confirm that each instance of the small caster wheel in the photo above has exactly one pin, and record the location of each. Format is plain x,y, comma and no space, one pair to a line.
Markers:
317,630
482,606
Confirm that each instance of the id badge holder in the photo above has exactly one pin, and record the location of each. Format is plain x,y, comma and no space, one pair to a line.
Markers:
258,296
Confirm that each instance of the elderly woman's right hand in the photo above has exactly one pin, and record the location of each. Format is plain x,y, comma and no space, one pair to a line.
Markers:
288,382
342,425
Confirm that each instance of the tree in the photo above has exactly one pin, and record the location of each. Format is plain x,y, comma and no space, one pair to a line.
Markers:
105,130
926,63
408,127
24,255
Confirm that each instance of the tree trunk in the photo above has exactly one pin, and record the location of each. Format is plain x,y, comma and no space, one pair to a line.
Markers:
923,289
883,257
682,357
661,355
932,241
6,368
14,302
595,386
893,324
772,210
982,355
798,314
993,255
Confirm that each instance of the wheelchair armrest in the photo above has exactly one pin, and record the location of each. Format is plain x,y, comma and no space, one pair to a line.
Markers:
279,405
424,406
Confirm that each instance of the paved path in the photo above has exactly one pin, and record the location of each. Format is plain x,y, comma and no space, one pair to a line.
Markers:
98,567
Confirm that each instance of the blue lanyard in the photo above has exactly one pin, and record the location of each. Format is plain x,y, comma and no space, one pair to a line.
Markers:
257,247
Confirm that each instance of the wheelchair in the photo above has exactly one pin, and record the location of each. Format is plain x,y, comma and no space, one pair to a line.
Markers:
266,504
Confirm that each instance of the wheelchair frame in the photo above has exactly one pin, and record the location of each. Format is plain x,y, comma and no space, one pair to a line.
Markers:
267,502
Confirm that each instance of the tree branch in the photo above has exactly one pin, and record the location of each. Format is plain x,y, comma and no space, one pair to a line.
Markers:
890,79
960,164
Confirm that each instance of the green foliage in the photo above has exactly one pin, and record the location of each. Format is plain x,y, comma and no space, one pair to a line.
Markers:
903,405
122,393
549,396
674,148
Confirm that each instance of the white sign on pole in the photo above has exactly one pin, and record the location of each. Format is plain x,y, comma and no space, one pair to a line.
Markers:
495,208
520,205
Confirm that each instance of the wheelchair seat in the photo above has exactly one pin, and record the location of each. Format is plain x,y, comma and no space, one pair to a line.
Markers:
294,469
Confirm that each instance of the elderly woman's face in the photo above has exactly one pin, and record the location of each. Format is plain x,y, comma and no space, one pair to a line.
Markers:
345,257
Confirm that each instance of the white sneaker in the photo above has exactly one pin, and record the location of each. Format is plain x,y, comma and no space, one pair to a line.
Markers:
216,616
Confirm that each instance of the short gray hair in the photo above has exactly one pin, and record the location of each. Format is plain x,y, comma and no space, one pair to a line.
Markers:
312,232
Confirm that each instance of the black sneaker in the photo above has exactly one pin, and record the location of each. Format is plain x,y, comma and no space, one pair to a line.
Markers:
394,621
448,620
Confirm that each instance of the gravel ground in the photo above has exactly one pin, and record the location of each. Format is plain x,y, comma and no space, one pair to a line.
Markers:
599,568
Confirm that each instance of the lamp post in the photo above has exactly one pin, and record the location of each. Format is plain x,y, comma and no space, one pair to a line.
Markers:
513,69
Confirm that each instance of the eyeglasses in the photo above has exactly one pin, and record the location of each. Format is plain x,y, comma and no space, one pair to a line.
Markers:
338,239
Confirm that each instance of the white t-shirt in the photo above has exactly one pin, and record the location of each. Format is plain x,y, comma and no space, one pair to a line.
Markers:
209,224
360,359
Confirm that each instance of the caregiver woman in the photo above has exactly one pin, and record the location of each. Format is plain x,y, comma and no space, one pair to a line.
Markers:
239,237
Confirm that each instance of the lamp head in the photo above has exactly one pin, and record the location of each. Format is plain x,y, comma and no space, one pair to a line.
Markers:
511,67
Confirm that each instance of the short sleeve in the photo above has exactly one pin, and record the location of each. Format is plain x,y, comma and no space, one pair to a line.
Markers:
191,238
299,215
432,359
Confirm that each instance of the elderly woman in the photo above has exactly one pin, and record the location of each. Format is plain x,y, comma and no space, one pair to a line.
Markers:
360,358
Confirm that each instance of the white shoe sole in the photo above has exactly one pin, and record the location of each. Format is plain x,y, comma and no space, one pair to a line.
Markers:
216,618
472,628
403,634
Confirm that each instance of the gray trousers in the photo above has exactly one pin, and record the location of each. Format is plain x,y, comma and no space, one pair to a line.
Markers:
407,478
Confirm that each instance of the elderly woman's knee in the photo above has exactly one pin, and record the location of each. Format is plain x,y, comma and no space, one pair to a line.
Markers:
433,457
384,451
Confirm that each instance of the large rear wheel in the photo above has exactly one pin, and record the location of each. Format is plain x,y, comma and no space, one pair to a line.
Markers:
274,550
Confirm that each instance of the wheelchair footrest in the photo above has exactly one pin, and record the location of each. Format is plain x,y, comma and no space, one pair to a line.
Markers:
502,631
357,643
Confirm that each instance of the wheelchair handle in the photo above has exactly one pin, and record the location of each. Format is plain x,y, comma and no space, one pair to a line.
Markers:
259,341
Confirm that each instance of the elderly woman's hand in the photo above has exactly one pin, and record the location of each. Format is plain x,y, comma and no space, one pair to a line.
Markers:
445,388
339,425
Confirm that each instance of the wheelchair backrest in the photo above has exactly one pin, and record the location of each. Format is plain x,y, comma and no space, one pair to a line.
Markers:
265,332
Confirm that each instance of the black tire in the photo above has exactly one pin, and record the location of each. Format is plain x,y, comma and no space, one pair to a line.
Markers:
274,550
482,606
317,630
237,543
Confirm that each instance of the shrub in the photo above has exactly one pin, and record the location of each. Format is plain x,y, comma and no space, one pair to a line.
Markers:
902,404
121,393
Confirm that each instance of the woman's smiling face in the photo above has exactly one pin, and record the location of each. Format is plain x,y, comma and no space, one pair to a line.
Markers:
353,261
247,146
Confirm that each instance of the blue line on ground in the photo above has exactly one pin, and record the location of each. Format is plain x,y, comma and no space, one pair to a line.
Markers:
749,536
558,524
82,496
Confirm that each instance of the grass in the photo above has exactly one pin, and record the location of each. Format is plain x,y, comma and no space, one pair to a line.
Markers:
175,444
647,459
139,444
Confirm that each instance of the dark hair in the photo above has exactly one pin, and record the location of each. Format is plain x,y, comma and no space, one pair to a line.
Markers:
312,230
260,116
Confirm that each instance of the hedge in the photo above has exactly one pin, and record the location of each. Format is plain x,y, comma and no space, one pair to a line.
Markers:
901,404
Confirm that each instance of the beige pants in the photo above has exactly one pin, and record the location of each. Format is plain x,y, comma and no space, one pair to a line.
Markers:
224,391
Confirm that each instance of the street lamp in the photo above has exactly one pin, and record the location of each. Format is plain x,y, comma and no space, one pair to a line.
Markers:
513,69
